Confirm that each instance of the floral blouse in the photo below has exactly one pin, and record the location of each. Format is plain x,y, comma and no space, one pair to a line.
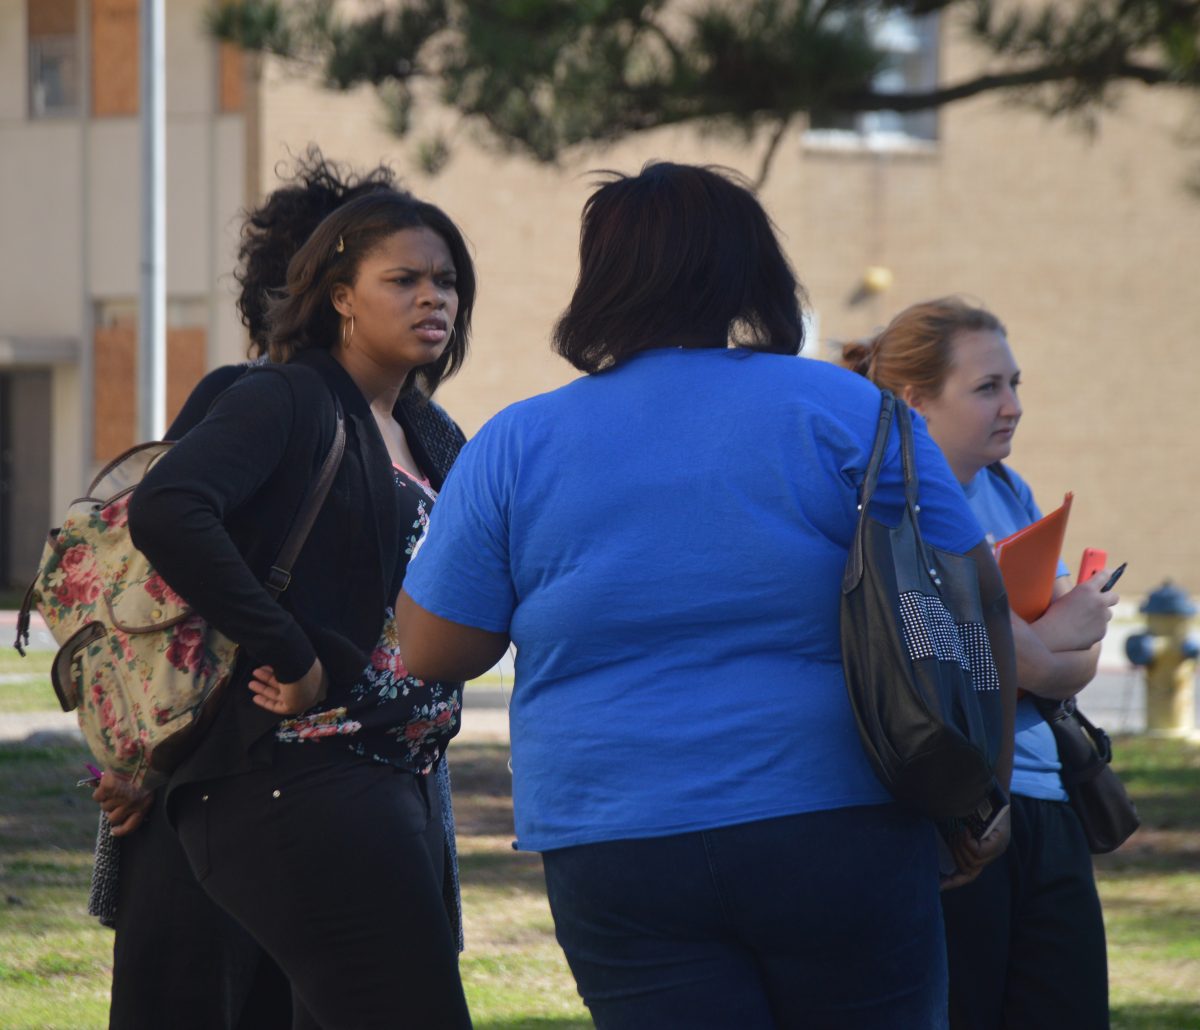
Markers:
390,716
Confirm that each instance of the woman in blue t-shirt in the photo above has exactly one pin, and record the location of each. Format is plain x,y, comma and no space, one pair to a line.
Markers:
1026,939
664,540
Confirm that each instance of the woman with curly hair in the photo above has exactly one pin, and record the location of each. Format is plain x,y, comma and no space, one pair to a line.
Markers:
332,857
216,974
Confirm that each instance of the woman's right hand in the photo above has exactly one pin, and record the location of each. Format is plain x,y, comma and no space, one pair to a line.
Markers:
1078,619
289,698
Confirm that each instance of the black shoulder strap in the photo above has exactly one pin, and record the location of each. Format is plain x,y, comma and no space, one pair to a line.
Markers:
1000,471
281,572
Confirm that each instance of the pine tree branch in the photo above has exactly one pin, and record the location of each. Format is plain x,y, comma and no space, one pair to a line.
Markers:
875,100
768,158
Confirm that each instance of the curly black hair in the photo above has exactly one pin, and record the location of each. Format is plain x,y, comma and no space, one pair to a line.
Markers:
276,229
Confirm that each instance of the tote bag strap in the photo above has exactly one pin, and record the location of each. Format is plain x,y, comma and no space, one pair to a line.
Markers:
883,427
908,458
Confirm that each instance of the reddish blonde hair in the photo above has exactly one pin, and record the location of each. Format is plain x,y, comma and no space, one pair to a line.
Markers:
917,347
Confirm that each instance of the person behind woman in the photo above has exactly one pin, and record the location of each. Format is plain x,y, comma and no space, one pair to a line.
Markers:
664,540
1026,939
178,959
331,857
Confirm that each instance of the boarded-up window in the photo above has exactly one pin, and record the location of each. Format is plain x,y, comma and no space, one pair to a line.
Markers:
231,78
115,370
51,17
114,57
115,365
186,365
53,58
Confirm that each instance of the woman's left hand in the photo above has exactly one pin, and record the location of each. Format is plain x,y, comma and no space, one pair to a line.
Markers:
1078,619
289,698
971,855
123,804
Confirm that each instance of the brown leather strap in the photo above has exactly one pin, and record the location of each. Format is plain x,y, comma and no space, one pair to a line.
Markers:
281,572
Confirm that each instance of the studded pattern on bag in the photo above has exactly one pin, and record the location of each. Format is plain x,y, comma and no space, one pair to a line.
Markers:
931,632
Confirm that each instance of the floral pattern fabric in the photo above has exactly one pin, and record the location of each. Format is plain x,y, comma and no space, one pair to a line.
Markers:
135,663
390,715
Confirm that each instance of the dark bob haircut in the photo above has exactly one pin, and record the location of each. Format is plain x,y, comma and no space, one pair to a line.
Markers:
678,256
274,231
304,317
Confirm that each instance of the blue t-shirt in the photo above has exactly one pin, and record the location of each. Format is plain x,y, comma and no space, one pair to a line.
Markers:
1002,510
664,542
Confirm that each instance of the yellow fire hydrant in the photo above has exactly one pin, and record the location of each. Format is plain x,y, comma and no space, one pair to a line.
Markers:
1167,651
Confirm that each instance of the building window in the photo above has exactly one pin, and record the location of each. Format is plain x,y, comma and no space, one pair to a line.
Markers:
115,58
911,45
54,78
231,78
114,358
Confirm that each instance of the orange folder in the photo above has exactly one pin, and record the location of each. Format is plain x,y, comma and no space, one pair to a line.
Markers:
1028,562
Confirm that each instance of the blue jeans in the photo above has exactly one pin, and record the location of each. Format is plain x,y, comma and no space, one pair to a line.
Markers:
826,919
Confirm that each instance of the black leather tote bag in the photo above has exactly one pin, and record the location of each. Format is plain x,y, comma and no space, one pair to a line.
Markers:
917,659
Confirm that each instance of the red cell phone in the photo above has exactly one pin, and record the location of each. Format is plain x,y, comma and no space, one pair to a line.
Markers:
1093,561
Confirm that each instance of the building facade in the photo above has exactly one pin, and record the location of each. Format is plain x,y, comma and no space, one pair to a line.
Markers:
1087,247
69,216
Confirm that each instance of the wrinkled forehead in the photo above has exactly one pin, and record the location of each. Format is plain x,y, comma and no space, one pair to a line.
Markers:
417,248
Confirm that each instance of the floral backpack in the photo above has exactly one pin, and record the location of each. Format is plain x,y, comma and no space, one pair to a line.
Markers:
141,669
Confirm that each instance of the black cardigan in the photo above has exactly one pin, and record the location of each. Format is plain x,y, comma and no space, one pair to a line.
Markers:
213,513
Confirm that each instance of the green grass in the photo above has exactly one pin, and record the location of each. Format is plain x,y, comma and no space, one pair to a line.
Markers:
1151,890
55,961
25,682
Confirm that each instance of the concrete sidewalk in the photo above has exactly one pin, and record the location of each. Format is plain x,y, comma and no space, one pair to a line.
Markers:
485,715
1115,699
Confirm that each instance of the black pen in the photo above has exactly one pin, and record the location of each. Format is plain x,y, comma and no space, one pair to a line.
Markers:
1112,580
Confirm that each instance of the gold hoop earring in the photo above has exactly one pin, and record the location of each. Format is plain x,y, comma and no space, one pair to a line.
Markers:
348,336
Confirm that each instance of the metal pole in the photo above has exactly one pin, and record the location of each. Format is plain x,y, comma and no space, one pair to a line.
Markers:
152,298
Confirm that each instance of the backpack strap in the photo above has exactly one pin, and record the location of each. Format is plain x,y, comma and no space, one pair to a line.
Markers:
280,576
23,618
1000,471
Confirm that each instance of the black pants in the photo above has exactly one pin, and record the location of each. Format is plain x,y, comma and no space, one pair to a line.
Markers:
179,960
335,866
1026,939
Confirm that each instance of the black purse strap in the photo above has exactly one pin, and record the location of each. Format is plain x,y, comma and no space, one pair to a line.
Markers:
1062,713
883,427
281,572
891,409
908,459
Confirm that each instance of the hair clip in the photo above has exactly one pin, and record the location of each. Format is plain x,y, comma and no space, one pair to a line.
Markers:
341,244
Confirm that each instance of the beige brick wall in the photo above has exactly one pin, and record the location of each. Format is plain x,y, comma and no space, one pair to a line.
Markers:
1087,248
